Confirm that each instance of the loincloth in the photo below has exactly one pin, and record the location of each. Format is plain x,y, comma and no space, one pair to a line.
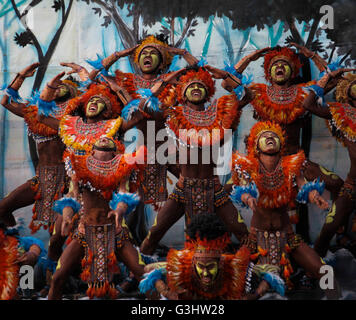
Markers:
155,183
199,195
99,265
273,248
49,185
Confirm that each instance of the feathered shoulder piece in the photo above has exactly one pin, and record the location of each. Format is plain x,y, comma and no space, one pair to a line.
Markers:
243,168
343,119
9,269
282,106
104,176
79,135
293,163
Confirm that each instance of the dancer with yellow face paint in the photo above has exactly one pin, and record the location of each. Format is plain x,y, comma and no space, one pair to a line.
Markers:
152,58
282,100
193,123
101,238
203,269
268,182
341,119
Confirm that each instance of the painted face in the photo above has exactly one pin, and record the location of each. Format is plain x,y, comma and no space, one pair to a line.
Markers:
61,91
105,143
196,93
207,270
104,149
352,91
269,142
149,59
281,71
94,107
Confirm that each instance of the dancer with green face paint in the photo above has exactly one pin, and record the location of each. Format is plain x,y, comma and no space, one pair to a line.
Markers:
152,58
282,100
198,189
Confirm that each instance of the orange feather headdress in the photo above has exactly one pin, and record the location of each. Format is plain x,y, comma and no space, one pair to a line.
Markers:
285,54
96,90
201,76
257,130
152,41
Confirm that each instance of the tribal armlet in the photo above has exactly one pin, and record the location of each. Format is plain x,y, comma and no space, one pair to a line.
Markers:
64,202
238,191
130,199
303,194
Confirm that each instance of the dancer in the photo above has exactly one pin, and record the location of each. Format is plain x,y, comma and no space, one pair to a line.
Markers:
267,182
198,189
340,116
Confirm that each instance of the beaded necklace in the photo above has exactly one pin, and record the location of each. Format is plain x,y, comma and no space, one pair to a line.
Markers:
282,96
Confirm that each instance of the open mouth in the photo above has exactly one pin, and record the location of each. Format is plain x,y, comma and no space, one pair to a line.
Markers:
93,108
280,73
147,62
270,142
205,280
196,93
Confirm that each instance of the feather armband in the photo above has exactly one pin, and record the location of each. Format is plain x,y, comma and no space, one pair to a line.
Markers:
238,191
303,194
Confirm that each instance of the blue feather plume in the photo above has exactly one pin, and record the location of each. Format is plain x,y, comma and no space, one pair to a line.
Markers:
131,199
238,191
60,204
129,109
149,280
174,64
303,194
11,93
276,282
97,64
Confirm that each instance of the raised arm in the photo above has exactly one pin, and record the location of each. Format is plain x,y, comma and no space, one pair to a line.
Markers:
245,61
230,83
48,94
76,68
191,60
110,60
12,106
320,63
326,83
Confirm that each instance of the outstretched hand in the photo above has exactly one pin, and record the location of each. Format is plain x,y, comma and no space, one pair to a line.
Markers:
118,215
76,68
244,62
126,52
30,70
56,81
259,53
319,61
170,78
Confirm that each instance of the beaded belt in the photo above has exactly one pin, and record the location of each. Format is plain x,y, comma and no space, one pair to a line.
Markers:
199,195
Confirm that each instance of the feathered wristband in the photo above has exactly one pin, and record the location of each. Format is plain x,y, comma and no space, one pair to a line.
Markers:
238,191
64,202
303,194
131,199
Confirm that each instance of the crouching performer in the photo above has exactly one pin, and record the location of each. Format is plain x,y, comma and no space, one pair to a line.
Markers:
205,270
268,182
100,189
